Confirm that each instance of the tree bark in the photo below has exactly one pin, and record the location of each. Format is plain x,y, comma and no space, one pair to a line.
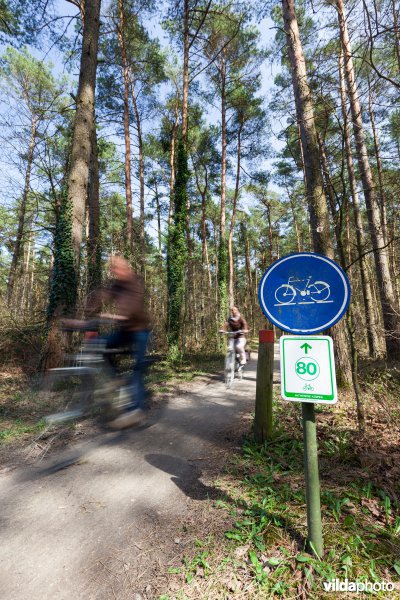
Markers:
222,250
372,333
390,310
185,94
83,125
223,153
158,210
396,33
172,166
316,197
127,134
349,316
382,195
267,205
206,260
248,271
204,247
25,292
141,177
94,243
233,220
343,356
185,105
295,223
22,212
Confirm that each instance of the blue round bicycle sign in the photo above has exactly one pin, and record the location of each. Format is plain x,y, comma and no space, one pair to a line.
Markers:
304,293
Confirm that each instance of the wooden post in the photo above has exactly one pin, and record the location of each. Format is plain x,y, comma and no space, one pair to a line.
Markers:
264,386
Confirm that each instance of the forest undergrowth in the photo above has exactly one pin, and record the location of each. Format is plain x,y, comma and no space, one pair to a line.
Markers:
258,550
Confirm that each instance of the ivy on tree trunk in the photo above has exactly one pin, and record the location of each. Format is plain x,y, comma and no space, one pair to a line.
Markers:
63,284
177,249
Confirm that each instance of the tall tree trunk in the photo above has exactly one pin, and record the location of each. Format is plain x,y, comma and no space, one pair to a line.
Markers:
340,333
316,198
127,134
172,166
267,205
222,250
141,178
185,94
94,236
83,125
24,295
390,312
342,258
295,223
317,202
31,294
22,211
177,251
248,271
382,195
204,248
396,32
190,303
372,333
233,220
394,258
158,210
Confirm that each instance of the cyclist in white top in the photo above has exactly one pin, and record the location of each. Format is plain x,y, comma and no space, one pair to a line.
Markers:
236,322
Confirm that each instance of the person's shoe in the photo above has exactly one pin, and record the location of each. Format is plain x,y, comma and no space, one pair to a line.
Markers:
128,419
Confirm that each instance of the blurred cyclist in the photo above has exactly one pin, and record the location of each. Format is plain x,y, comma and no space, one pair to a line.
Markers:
236,322
126,293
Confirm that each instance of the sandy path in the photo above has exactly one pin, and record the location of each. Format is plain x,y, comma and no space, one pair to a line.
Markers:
105,526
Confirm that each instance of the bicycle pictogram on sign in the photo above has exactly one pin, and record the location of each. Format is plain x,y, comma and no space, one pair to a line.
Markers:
308,293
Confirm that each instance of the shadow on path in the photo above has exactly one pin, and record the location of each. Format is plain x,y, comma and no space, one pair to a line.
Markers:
186,477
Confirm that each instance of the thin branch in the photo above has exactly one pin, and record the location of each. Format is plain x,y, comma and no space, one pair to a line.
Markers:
200,25
370,251
216,55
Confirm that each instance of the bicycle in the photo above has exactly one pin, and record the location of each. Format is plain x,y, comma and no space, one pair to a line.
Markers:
232,363
89,384
319,291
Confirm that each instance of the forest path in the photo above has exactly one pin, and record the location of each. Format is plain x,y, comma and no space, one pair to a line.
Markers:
109,525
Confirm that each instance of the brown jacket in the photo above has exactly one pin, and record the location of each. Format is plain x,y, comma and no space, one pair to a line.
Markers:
239,325
127,299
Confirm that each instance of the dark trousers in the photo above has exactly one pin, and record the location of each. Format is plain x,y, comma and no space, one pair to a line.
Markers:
137,342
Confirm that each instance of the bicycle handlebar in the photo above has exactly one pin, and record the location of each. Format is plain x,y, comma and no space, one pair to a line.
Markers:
78,325
231,332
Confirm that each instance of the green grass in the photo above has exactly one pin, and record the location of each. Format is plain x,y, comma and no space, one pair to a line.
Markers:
263,547
21,408
19,429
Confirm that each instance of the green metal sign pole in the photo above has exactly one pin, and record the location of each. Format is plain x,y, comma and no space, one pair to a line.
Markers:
315,542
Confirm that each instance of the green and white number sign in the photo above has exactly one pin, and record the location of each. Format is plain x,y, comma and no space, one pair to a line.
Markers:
308,369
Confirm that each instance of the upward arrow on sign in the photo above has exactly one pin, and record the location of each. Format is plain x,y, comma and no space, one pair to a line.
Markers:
306,347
